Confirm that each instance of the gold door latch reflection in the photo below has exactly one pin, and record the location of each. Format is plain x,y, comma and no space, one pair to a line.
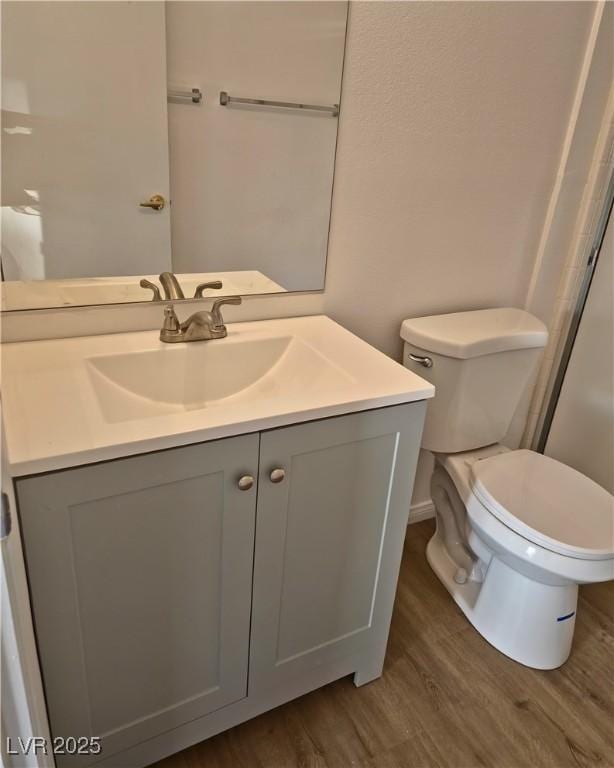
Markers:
156,202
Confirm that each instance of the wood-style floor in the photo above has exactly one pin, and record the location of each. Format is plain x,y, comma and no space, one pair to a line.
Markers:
447,698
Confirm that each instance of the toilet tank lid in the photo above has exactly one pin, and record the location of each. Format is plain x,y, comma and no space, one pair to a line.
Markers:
471,334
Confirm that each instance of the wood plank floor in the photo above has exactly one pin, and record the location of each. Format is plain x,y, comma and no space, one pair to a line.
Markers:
446,698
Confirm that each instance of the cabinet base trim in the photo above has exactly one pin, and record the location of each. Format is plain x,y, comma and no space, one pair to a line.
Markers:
191,733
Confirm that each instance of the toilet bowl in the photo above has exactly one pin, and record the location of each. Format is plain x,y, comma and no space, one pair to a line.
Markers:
516,531
518,582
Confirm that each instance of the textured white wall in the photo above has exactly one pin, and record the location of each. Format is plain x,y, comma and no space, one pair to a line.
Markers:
576,203
451,129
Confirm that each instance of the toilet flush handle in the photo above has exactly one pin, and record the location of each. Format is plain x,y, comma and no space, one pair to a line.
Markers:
425,361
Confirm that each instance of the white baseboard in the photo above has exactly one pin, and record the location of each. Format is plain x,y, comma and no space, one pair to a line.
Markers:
421,511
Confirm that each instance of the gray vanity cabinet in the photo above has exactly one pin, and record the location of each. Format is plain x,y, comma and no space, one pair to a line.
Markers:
146,572
140,574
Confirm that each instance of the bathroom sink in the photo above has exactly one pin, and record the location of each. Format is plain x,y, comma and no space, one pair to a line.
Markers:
93,398
191,376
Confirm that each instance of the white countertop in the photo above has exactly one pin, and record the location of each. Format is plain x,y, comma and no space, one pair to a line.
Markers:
54,419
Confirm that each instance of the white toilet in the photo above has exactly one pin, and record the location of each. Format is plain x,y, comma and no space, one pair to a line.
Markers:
516,531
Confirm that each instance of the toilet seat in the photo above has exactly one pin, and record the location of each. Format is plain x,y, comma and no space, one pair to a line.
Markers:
547,503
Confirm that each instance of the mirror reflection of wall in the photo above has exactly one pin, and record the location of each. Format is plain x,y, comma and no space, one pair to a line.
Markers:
91,129
252,185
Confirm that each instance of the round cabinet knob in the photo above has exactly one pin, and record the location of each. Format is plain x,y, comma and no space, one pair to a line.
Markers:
245,483
277,475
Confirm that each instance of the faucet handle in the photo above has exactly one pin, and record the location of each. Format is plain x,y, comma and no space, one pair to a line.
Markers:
198,293
171,321
156,291
216,315
171,327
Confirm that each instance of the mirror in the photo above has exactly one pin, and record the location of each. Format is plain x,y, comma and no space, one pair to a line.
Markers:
140,138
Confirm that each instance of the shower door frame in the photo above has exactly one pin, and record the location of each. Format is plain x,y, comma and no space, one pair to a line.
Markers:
576,318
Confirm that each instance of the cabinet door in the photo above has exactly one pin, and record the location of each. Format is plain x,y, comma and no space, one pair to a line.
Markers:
329,538
140,572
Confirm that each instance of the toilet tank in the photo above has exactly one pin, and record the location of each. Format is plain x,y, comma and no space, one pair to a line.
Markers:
480,364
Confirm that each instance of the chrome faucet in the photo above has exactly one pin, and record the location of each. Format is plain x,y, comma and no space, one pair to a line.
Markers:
201,326
172,289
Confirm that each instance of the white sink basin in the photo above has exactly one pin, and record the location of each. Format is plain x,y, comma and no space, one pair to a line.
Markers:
195,375
80,400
